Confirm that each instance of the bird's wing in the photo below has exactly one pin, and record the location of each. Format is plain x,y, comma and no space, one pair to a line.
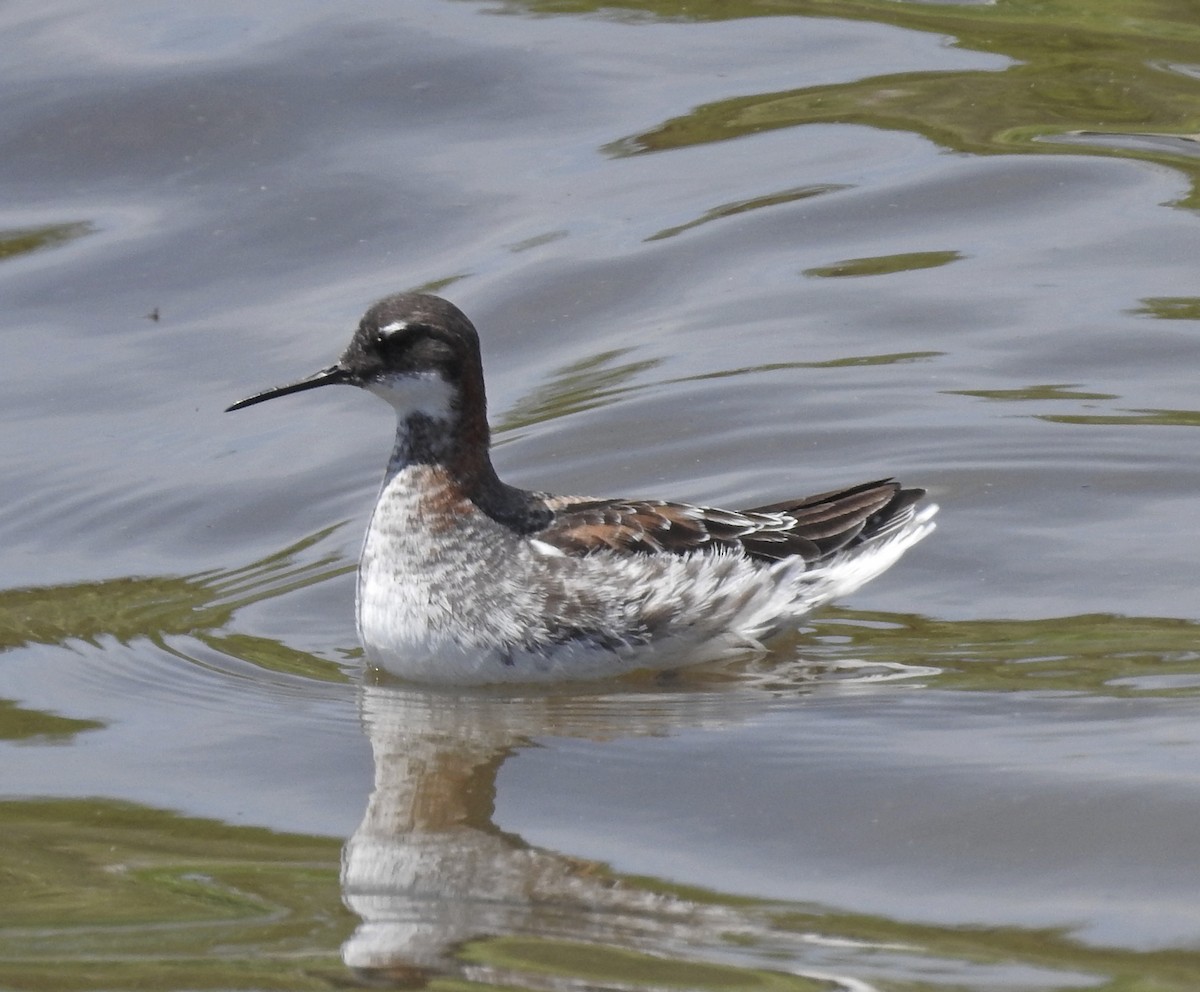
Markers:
812,528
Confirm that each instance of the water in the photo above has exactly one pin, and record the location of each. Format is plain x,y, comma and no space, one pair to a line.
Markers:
714,255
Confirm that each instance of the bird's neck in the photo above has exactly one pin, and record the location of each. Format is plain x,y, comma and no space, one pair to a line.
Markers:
459,447
454,458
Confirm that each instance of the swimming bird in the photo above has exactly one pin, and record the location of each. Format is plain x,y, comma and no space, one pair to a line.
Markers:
466,579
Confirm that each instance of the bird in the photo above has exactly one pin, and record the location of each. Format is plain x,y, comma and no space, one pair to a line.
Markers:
464,579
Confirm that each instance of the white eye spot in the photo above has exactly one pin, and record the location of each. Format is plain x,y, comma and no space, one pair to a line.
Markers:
393,327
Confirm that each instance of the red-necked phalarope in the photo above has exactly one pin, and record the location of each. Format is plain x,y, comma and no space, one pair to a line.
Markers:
465,579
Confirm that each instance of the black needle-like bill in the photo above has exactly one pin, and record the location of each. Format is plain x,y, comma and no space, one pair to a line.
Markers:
326,377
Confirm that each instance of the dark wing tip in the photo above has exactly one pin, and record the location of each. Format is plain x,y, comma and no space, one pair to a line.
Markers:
829,522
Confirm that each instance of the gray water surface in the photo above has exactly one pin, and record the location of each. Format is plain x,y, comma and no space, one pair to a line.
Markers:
713,256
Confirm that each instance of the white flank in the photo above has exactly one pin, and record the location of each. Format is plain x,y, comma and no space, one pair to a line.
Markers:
843,575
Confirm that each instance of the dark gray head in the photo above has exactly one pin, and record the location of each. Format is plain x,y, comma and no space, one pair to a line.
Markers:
418,352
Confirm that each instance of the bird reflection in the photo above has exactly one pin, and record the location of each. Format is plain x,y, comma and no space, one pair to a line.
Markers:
427,871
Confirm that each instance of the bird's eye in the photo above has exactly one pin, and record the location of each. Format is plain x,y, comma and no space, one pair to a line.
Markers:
413,346
388,335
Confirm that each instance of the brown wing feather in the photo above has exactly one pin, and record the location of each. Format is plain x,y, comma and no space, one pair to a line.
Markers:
581,526
812,528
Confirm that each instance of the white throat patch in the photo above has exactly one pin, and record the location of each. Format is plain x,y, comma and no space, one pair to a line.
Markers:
425,393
